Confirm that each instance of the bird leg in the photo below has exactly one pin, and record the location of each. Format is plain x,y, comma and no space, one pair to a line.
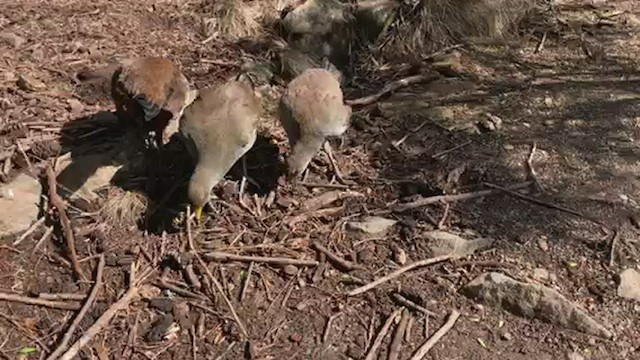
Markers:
334,164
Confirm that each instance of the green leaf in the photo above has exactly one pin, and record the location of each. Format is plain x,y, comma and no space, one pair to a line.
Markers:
27,350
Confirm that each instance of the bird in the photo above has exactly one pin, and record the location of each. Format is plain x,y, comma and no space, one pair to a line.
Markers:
218,127
150,94
311,109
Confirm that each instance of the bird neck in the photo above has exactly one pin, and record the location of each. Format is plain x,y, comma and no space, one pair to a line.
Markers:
207,176
302,153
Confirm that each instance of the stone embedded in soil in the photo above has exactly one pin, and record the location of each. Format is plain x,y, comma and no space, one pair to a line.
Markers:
163,304
372,225
29,83
444,243
629,284
83,175
19,210
532,301
290,270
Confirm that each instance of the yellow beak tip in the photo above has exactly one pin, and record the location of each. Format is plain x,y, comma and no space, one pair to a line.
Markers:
198,213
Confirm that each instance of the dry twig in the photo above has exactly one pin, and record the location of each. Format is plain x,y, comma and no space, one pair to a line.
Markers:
371,355
87,305
410,304
223,257
58,203
101,323
246,281
29,231
424,348
327,328
396,343
340,262
614,243
391,87
397,273
39,302
530,169
455,197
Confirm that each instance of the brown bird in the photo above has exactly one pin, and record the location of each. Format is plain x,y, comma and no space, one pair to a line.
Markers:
312,109
149,93
219,127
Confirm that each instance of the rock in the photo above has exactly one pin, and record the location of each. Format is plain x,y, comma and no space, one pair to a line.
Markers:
29,83
160,328
314,17
12,39
373,15
532,301
399,255
506,336
19,205
75,106
543,244
372,225
629,284
491,123
445,243
574,356
290,270
548,102
541,274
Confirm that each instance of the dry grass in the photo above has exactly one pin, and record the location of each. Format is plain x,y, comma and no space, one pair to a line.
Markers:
122,207
433,24
236,19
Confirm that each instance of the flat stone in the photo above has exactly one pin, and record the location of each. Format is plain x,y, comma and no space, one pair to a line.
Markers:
19,205
29,83
533,301
372,225
629,284
442,243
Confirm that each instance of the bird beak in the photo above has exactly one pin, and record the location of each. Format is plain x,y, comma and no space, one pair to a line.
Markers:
198,213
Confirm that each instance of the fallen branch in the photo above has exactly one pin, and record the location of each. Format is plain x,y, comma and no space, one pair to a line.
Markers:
39,302
410,304
518,195
399,272
62,296
340,262
392,87
371,355
396,343
58,203
101,323
29,231
224,257
87,305
456,197
424,348
180,291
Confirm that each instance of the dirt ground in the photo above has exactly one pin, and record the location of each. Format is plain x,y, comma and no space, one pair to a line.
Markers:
577,101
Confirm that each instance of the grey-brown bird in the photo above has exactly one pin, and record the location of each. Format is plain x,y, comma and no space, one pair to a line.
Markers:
219,126
149,93
312,109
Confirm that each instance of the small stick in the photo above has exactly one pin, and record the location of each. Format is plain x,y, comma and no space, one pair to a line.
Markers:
371,355
532,172
612,253
62,296
223,257
29,231
192,278
399,272
391,87
452,198
26,158
399,142
410,304
340,262
58,203
221,292
45,237
545,204
541,43
87,305
407,332
424,348
445,215
39,302
327,186
101,323
445,152
396,343
327,327
246,281
180,291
